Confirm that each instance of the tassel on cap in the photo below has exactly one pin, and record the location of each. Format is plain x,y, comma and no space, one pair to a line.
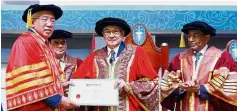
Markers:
29,19
182,41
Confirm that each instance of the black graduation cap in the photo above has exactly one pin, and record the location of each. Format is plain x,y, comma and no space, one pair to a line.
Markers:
101,24
57,11
199,25
60,34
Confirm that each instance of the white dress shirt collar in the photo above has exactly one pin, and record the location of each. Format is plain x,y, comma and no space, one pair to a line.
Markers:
203,49
115,50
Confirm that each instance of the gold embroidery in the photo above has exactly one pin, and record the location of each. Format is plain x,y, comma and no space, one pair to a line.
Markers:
228,101
127,104
230,91
181,105
230,83
127,81
25,68
27,76
218,80
191,102
206,105
29,84
230,87
209,76
215,84
221,78
144,107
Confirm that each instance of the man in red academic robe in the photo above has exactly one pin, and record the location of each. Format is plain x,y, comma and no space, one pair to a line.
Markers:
32,75
202,78
68,64
137,80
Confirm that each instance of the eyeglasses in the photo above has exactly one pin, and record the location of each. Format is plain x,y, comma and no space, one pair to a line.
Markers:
108,32
45,19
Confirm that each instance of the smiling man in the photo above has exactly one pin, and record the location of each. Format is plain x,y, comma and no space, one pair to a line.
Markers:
129,64
195,80
68,64
33,74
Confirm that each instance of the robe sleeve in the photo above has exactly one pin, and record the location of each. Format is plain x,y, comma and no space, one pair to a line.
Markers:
145,88
170,93
79,61
226,61
222,85
217,90
174,64
87,68
53,101
27,71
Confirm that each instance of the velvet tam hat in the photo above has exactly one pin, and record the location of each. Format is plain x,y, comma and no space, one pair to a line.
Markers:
101,24
199,25
57,11
60,34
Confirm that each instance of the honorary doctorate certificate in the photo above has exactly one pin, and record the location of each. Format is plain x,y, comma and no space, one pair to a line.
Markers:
94,92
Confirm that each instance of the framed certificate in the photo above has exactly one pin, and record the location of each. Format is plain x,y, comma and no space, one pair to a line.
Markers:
94,92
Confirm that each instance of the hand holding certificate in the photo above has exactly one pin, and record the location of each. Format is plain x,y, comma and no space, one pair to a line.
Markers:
94,92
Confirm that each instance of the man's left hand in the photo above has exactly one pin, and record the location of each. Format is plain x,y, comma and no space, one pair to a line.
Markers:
121,84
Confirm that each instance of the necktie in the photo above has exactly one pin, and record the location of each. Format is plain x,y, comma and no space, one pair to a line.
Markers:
112,57
197,56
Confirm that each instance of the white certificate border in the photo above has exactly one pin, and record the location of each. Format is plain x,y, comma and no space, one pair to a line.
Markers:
88,104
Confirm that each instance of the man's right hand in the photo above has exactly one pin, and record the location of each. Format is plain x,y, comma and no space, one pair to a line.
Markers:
67,83
190,86
66,86
67,103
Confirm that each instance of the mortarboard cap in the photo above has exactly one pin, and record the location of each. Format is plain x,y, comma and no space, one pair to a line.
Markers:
26,17
101,24
60,34
199,25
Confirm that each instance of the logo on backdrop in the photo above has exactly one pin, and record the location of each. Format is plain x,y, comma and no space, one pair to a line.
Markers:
233,50
139,34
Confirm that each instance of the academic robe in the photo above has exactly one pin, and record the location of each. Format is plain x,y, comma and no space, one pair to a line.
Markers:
132,65
70,66
217,90
32,75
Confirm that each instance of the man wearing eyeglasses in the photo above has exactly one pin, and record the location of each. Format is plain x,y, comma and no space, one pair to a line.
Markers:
202,77
137,80
33,75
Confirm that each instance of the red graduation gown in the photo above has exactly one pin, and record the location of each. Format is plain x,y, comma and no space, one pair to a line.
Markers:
206,76
133,67
32,74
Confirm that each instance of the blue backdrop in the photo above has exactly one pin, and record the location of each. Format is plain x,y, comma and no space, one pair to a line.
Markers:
153,19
